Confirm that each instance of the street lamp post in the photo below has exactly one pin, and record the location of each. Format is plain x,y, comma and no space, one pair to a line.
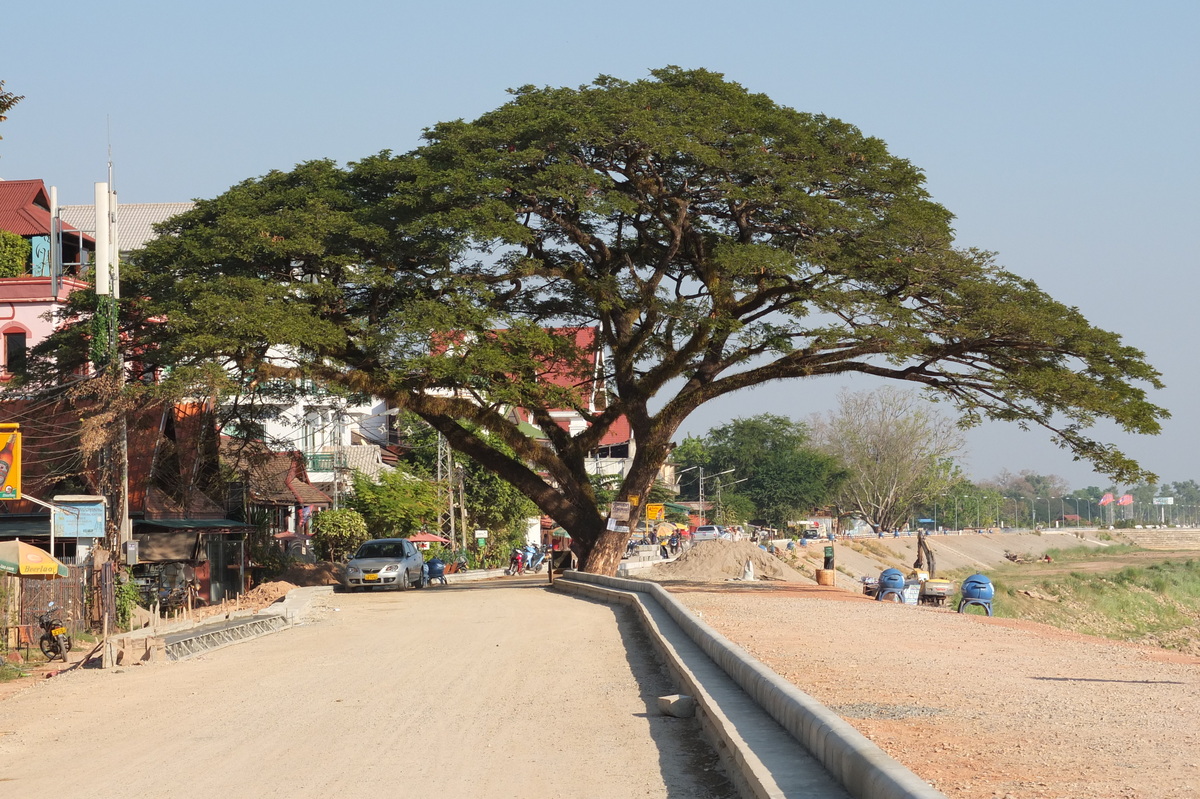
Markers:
701,490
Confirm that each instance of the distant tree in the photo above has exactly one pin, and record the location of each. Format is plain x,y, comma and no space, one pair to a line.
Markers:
715,239
966,504
784,477
691,454
1029,484
899,454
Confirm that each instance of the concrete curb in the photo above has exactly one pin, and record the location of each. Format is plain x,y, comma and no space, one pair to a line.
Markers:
865,770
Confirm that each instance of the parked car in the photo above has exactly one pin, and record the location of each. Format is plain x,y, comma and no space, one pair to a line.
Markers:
384,563
708,532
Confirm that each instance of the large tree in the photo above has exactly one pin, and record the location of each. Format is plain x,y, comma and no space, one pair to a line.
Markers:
716,240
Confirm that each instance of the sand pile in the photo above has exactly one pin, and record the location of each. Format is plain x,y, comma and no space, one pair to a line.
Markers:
257,599
711,561
323,573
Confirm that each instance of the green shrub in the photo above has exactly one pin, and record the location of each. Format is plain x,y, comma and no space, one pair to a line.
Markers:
127,597
337,533
15,254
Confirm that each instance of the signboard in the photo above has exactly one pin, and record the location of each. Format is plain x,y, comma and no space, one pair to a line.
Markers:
1164,500
79,517
481,533
829,552
10,462
619,511
655,510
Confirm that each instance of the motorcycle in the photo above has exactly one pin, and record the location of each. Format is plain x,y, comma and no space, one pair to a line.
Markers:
536,559
516,562
54,641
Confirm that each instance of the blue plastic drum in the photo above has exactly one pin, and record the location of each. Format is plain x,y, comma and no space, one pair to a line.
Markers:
891,580
978,587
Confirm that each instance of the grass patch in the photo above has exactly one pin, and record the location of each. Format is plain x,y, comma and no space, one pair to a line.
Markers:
10,672
1156,604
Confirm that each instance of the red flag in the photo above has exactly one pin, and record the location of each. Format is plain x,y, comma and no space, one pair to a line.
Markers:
1125,500
1106,499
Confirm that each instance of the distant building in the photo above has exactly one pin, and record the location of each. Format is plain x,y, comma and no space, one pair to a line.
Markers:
28,301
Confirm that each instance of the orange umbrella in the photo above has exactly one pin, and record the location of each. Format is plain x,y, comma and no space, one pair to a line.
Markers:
26,560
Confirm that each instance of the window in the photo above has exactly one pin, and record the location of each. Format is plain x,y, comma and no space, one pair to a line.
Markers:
15,355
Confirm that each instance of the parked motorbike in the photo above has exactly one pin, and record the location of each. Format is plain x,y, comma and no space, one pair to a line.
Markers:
516,562
54,643
536,559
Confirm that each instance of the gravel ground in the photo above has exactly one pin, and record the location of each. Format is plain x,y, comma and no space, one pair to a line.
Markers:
979,707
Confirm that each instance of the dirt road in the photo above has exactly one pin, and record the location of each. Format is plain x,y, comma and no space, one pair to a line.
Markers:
980,707
470,690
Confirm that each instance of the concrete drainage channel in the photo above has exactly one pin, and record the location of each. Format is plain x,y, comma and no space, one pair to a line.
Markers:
181,646
775,740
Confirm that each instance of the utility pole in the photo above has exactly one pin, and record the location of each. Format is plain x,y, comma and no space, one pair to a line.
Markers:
108,291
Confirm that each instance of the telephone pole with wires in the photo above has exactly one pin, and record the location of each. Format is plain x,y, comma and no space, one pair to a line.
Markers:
107,355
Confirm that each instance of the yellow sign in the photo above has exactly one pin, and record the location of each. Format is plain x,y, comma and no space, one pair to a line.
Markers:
10,462
655,510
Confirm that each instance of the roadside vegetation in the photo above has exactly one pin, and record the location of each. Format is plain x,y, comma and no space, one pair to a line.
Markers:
1155,603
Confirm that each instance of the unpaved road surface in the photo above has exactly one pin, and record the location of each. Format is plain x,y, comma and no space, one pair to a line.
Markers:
982,708
496,689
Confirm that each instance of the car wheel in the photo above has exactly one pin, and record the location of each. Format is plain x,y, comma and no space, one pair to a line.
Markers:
403,583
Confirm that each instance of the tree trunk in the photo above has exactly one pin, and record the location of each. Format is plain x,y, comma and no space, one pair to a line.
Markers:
605,554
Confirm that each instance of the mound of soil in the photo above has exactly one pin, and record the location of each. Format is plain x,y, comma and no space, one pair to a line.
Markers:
256,599
267,593
712,561
301,574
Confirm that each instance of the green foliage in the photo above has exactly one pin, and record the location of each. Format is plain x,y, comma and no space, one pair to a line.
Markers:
795,247
1155,603
778,475
126,597
15,252
7,101
492,503
395,505
337,533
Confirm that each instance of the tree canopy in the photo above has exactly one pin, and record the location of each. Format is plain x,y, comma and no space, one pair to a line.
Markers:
898,452
784,476
715,240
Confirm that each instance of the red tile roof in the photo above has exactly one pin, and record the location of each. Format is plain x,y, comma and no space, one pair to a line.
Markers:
25,208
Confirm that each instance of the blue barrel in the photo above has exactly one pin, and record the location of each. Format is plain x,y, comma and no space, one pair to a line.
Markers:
978,586
891,579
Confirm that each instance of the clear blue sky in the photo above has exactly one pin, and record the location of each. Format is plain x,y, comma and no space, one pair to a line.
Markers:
1063,135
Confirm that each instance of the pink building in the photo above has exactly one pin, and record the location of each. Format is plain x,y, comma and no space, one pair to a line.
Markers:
26,299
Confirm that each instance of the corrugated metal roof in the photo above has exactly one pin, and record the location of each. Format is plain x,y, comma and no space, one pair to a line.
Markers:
135,221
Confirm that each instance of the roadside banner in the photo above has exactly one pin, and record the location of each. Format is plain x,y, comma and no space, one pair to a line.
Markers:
10,462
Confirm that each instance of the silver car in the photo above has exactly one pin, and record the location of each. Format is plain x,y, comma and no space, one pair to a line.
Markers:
384,563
